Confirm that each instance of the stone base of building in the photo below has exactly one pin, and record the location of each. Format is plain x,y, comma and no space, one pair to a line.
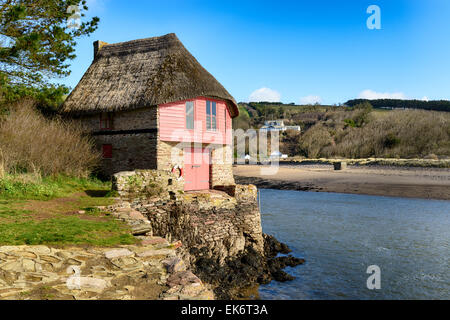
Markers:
219,231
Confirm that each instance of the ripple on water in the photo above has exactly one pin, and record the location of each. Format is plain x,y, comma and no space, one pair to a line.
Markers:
340,235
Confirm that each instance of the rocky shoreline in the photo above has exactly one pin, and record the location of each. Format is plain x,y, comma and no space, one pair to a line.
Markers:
278,184
218,231
248,269
220,239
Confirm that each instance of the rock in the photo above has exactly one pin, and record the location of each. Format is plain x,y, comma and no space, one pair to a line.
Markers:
86,283
137,215
272,246
28,265
126,262
117,253
177,244
129,288
174,265
50,259
25,254
64,254
152,252
125,204
155,240
282,276
15,266
192,289
10,292
183,278
141,229
81,212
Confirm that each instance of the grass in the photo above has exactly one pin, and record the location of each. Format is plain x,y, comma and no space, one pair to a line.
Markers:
36,188
64,230
46,211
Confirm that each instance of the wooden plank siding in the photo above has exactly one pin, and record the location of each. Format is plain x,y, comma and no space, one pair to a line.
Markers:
172,123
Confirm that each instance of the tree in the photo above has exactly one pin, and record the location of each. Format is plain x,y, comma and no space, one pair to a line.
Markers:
36,43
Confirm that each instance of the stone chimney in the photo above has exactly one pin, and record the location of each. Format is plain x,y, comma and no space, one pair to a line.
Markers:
97,46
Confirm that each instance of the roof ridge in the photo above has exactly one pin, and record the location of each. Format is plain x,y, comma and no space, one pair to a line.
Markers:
169,36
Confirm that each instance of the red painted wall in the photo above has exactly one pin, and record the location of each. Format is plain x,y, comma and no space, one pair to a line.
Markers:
172,123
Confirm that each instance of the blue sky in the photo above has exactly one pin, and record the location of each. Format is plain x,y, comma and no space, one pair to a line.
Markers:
294,51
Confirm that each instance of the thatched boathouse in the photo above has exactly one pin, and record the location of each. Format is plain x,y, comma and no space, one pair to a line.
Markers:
151,105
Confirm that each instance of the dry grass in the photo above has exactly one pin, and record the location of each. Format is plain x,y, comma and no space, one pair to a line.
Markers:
30,143
363,134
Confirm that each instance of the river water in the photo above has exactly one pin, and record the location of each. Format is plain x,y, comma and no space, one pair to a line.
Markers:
341,235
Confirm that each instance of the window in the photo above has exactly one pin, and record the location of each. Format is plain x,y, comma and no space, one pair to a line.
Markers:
211,112
190,115
107,151
225,119
106,121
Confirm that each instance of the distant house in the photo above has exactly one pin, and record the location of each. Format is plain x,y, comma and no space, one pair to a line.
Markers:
278,125
146,100
278,155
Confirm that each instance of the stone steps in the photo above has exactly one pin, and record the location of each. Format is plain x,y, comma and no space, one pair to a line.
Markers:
99,273
92,273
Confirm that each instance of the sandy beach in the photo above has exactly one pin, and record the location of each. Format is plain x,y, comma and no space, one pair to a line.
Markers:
410,182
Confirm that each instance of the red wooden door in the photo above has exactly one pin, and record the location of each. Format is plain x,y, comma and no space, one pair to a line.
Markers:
196,169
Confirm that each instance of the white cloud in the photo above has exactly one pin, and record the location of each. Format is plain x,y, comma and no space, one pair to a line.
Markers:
310,100
373,95
265,94
425,98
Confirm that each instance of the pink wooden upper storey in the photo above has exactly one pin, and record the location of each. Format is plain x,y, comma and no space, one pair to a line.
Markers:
172,122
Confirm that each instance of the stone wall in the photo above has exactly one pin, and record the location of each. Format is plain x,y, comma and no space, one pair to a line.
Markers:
169,154
218,235
222,166
147,183
211,224
144,118
130,151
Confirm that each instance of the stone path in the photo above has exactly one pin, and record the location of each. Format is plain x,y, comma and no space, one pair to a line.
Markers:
150,270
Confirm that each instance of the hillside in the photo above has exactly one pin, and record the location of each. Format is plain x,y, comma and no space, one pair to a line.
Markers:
360,131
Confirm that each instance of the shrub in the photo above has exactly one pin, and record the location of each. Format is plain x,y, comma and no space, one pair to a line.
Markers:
350,122
290,142
314,140
362,133
31,143
399,133
391,141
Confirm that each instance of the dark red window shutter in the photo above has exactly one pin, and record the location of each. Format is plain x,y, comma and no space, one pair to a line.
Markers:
107,151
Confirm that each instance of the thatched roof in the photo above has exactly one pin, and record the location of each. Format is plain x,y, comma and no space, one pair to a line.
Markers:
142,73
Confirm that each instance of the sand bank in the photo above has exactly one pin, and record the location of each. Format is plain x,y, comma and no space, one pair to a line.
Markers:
410,182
